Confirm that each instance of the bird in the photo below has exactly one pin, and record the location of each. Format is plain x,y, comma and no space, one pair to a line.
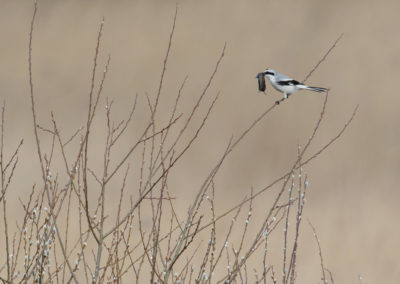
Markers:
287,85
261,82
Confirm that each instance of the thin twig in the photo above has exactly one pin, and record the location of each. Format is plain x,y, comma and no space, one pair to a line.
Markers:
37,138
320,251
322,59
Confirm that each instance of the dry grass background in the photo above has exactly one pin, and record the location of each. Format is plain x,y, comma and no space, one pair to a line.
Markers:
354,186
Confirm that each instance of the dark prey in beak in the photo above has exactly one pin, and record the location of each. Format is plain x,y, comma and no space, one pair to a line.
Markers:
261,81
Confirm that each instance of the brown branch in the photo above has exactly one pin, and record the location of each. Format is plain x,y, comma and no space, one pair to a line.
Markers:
38,141
288,173
165,64
322,59
324,279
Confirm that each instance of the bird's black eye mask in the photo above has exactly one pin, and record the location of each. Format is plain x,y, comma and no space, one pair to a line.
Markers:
269,73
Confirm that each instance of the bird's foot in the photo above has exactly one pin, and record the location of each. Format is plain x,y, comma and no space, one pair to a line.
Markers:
281,100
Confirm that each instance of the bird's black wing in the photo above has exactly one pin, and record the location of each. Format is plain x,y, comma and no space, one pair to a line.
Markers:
290,82
261,82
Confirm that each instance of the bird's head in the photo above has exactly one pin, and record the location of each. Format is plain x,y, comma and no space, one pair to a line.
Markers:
269,72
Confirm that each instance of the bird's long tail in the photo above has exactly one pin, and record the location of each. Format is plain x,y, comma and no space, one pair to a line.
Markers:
315,89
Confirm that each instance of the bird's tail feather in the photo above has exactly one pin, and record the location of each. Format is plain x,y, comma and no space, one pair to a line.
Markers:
315,89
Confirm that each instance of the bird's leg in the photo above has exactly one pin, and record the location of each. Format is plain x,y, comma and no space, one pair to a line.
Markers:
285,96
279,101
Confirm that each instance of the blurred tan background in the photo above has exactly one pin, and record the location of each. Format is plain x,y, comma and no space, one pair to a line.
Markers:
354,185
